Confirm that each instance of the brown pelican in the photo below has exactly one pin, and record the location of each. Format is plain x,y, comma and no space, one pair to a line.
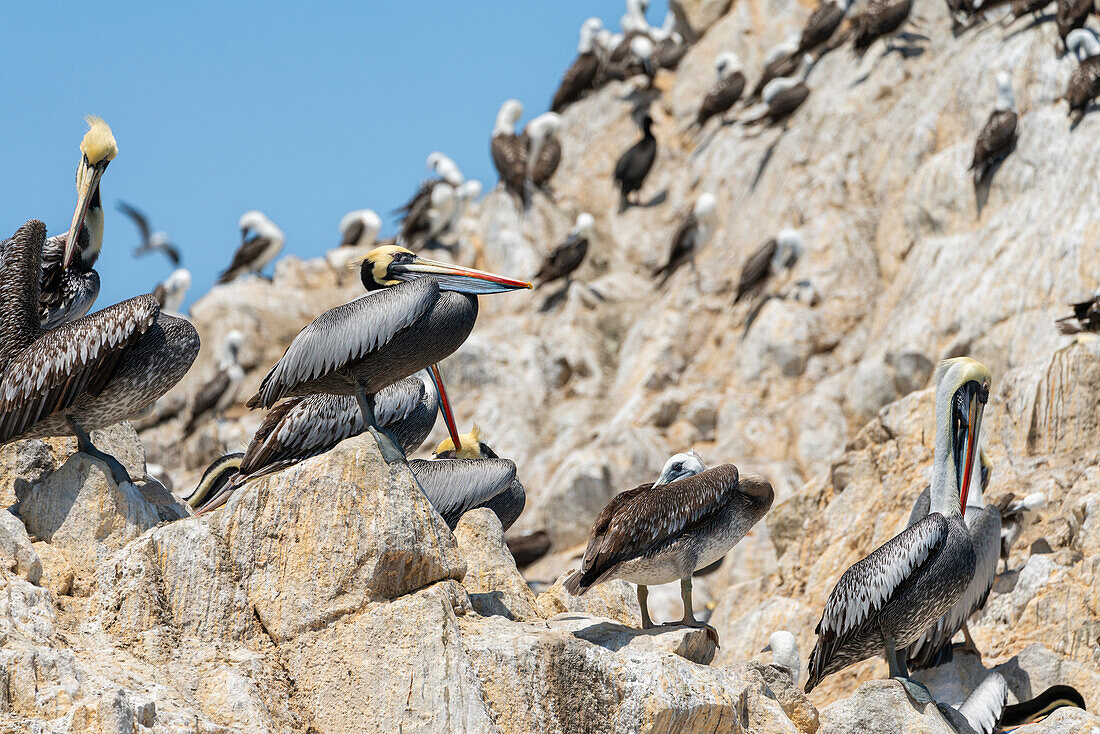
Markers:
543,148
822,24
772,258
784,649
727,88
1086,317
985,705
886,600
1084,83
220,392
654,534
881,18
634,165
998,137
360,228
695,230
1038,708
214,480
579,78
1015,516
150,241
781,60
257,250
302,427
786,94
86,374
508,150
1071,15
171,292
564,259
469,447
416,312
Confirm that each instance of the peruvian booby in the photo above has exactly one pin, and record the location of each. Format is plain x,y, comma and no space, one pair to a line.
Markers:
727,89
464,195
432,216
774,257
634,57
579,78
150,241
261,241
822,24
1085,317
669,49
414,214
360,228
784,649
635,164
657,533
1025,7
881,18
786,94
695,230
86,374
634,20
1015,516
508,150
220,391
173,290
1084,83
543,148
416,313
563,260
886,600
998,137
780,60
302,427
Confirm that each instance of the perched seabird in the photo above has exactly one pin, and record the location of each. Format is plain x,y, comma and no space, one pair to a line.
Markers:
1024,7
1084,83
1015,516
543,148
634,21
416,312
458,481
464,195
1070,15
173,290
998,137
581,75
564,259
886,600
1038,708
985,705
634,165
220,391
657,533
781,60
360,228
261,241
86,374
508,150
772,258
150,241
786,94
302,427
727,88
695,230
822,24
881,18
216,477
633,57
669,49
432,216
414,214
1085,317
784,649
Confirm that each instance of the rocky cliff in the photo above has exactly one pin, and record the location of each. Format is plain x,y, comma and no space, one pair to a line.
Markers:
330,597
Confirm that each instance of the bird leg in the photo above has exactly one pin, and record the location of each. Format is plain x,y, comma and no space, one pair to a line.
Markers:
968,642
643,602
391,451
917,691
84,446
689,619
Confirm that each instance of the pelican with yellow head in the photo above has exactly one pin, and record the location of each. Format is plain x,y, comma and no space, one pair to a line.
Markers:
416,312
97,150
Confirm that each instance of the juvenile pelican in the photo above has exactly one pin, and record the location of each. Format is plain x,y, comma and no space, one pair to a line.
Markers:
774,257
360,228
416,312
543,148
657,533
695,230
579,78
885,601
261,241
784,649
173,290
1085,317
150,241
564,259
86,374
634,165
509,151
727,88
998,137
220,392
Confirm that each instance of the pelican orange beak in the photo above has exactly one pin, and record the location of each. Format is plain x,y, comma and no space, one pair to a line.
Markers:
457,278
967,432
87,184
445,406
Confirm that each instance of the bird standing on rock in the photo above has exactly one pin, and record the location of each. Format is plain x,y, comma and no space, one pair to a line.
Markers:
998,137
509,150
261,241
695,230
564,259
635,164
727,88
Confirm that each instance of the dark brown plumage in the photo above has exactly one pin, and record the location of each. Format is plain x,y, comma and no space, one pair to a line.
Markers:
781,67
1023,7
881,18
994,143
681,251
249,251
1070,15
1083,87
721,97
542,168
206,400
1085,317
562,261
578,80
820,26
786,102
756,270
509,153
634,165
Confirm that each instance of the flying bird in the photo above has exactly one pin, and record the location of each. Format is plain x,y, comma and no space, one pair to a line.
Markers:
261,241
509,151
1085,317
885,601
173,290
150,241
998,137
220,391
416,312
727,88
563,260
635,164
695,230
581,75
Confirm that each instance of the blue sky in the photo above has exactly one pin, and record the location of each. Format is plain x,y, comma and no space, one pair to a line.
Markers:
302,110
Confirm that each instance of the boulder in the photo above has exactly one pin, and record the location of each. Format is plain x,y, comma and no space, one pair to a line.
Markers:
615,599
17,554
492,581
884,707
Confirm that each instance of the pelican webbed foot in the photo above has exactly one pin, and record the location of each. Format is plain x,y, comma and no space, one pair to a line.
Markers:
391,451
916,690
84,445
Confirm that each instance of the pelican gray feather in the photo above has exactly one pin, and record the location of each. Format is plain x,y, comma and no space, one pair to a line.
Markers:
456,486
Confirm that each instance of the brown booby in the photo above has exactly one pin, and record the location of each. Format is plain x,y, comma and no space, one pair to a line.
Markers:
150,241
998,137
727,88
695,230
635,164
581,75
261,241
509,151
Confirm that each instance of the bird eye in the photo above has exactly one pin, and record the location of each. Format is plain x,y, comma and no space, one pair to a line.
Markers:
677,466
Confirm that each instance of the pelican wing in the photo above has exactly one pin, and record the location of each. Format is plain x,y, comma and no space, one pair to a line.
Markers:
983,708
76,358
865,588
299,428
346,334
456,486
398,401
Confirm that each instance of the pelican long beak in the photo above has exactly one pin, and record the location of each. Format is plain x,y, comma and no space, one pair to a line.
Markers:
463,280
87,181
767,648
969,449
445,406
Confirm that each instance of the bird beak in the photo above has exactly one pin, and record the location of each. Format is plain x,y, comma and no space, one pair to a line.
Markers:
463,280
767,648
87,181
445,406
244,234
965,454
